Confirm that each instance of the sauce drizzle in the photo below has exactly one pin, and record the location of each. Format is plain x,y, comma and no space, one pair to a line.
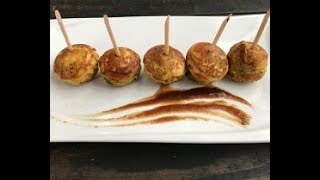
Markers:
173,105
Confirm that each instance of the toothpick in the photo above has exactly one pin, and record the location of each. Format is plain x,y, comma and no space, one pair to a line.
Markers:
115,47
222,26
262,26
63,30
166,38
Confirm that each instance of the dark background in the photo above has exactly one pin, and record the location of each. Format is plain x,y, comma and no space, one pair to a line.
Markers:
158,161
96,8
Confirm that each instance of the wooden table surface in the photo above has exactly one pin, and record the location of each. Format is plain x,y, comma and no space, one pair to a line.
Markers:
97,161
159,161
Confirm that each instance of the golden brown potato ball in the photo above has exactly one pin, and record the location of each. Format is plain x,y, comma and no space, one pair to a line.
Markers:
206,63
247,63
162,68
78,65
120,71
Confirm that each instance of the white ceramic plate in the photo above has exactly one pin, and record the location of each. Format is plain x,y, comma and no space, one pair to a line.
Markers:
140,34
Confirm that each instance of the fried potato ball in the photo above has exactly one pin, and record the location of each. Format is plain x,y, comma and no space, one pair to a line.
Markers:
206,63
78,65
162,68
247,63
120,71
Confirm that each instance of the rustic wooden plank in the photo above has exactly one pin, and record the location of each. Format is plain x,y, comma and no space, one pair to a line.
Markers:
96,8
159,161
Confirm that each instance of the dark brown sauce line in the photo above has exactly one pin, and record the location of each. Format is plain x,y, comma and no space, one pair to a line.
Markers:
168,119
96,117
162,120
166,96
112,111
208,112
204,108
214,114
171,103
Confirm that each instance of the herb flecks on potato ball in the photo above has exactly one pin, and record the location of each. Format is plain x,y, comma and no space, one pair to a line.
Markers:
247,63
120,71
162,68
76,65
206,63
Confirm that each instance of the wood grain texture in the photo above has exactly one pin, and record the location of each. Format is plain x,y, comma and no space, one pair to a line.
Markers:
158,161
96,8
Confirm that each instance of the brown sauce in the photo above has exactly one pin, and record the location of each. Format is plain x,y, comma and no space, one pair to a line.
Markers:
173,107
211,108
163,120
166,95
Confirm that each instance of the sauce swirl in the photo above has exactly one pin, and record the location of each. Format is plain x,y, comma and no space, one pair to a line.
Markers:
172,105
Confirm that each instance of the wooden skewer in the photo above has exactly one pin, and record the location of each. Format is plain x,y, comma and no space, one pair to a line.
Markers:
115,47
222,26
63,30
262,26
166,34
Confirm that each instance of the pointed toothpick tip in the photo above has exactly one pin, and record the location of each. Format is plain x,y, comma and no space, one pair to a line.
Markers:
112,38
221,29
229,17
168,18
106,18
261,28
63,29
267,15
57,14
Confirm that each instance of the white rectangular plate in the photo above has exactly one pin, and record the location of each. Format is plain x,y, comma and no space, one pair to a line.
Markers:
140,34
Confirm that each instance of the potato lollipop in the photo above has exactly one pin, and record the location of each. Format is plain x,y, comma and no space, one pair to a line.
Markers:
247,60
206,62
119,66
164,64
76,63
